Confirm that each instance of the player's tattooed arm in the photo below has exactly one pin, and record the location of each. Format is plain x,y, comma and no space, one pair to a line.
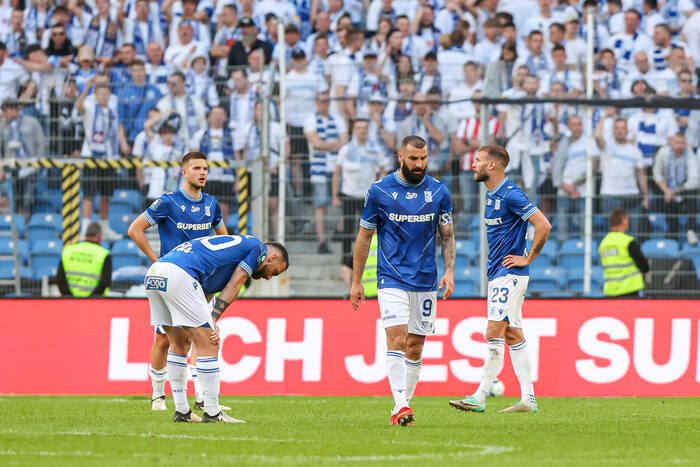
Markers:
449,250
219,308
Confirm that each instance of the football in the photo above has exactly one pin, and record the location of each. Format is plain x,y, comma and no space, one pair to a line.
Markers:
497,388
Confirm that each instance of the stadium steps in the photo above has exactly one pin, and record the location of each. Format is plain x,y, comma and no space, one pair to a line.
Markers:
314,275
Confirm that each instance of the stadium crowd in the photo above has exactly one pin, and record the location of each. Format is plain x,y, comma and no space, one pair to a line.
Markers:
154,79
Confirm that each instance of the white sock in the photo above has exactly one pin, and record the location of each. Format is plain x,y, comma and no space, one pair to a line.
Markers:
195,379
493,364
412,373
208,371
158,381
84,222
396,370
177,375
520,355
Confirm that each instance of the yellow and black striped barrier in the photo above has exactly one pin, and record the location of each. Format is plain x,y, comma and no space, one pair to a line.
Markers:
243,200
71,203
48,163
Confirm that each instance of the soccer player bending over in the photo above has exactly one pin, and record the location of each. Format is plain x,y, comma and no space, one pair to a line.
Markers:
406,208
177,286
507,213
182,215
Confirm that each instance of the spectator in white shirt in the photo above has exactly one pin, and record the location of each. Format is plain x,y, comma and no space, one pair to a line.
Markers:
536,61
459,105
103,33
412,45
187,11
622,170
142,30
226,36
451,60
563,74
542,20
292,42
690,34
157,71
200,84
216,142
363,84
302,87
643,71
628,42
652,17
576,49
323,28
379,9
241,104
489,48
184,112
325,134
616,17
676,175
180,51
344,67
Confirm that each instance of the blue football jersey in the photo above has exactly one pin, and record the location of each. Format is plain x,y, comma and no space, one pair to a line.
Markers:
181,217
213,259
506,215
406,218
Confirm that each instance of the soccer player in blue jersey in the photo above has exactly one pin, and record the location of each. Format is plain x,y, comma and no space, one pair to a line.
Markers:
182,215
507,213
177,286
406,208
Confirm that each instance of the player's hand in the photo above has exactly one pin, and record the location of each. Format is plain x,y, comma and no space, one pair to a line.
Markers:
357,292
646,203
515,261
215,337
447,281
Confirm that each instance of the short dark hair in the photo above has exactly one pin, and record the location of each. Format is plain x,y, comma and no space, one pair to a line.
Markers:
617,216
282,250
192,155
496,152
414,141
558,26
635,11
103,86
31,49
180,75
534,33
355,121
137,62
558,48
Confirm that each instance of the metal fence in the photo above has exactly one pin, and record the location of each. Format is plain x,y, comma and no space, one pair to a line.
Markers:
320,221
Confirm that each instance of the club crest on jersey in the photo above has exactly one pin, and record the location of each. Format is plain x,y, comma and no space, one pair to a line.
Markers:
395,195
195,208
428,196
207,211
497,204
410,195
489,202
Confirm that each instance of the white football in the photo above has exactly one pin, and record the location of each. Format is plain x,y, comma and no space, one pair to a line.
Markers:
497,388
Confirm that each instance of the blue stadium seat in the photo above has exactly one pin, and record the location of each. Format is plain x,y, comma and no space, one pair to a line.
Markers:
660,248
125,253
20,223
7,248
574,279
46,246
465,289
131,198
120,208
690,251
120,222
466,251
546,280
658,223
556,294
44,264
548,257
133,274
571,253
44,226
48,201
8,272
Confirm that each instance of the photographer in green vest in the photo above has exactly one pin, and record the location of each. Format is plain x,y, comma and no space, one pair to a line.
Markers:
369,275
85,268
622,259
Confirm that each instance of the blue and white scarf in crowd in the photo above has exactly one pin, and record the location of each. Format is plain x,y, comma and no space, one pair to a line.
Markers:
437,81
104,142
15,135
535,114
32,21
321,162
190,117
140,42
233,107
677,170
109,42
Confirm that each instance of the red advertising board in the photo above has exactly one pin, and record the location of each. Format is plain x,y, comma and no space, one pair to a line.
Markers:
322,347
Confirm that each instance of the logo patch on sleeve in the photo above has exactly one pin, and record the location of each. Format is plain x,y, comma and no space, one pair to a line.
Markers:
154,205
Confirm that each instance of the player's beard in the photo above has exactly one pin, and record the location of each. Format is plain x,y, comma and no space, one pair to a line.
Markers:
412,176
480,177
258,273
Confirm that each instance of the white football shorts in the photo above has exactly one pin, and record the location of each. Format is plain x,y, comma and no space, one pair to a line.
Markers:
416,309
505,299
176,298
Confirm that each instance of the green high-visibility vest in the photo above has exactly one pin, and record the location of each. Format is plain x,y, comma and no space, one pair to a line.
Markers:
82,264
369,276
620,272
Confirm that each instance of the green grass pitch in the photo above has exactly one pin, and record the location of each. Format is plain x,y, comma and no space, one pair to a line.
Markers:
122,431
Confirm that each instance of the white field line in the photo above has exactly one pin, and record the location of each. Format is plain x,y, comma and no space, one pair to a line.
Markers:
151,435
